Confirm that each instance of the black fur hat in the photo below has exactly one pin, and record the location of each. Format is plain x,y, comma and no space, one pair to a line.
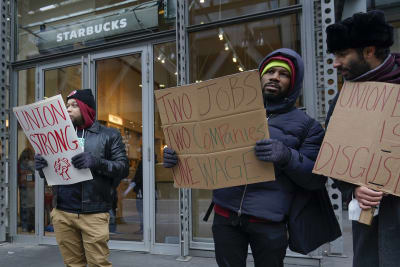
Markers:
360,30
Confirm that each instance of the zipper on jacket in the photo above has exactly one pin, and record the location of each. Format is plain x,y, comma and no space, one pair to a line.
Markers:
241,202
82,200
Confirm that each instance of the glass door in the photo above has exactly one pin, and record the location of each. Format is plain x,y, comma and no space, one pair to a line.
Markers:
57,78
120,79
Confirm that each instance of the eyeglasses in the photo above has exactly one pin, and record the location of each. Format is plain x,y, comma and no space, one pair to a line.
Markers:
72,105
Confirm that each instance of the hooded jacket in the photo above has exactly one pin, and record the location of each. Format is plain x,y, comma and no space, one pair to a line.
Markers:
303,136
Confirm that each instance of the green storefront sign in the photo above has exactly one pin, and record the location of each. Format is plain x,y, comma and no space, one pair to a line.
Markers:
106,26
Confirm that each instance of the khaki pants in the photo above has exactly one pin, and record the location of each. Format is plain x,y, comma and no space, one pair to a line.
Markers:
82,238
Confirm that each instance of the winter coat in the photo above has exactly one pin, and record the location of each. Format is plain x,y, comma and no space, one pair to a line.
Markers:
377,245
295,187
303,135
106,144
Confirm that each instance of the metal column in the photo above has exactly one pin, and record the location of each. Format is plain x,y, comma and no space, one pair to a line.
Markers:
4,117
184,194
327,87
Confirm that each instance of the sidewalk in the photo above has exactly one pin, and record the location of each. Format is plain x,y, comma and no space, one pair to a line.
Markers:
26,255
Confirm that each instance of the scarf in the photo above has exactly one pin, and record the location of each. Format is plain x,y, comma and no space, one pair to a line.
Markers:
388,71
88,115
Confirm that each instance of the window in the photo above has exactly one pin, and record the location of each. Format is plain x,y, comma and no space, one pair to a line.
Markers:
204,11
54,26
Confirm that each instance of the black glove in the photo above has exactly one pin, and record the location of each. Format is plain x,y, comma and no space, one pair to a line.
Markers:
40,163
84,160
272,150
170,158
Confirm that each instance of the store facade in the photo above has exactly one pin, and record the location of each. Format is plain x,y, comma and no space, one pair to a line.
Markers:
124,51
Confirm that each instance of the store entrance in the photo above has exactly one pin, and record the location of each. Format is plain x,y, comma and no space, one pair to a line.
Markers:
118,80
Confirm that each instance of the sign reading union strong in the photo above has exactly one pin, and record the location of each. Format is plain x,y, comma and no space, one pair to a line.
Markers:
95,29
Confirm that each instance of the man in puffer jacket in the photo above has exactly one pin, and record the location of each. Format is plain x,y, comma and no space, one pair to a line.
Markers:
258,214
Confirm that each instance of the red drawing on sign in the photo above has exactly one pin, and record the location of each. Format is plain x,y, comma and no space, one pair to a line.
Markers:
61,167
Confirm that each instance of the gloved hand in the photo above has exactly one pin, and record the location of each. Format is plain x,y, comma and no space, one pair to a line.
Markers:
40,163
272,150
84,160
170,158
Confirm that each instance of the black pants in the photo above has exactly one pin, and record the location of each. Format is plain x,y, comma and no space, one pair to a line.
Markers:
268,241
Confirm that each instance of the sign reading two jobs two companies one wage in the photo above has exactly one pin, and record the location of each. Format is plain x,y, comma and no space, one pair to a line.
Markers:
49,129
213,126
362,142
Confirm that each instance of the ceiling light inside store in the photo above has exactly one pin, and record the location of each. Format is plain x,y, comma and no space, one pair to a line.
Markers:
31,12
162,85
176,73
240,68
201,1
234,59
162,61
226,47
221,35
140,85
45,8
115,119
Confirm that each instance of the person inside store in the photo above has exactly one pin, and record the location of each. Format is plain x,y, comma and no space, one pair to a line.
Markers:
26,182
81,215
361,47
297,202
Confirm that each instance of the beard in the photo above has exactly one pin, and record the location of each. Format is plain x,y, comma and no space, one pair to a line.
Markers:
273,97
355,68
77,121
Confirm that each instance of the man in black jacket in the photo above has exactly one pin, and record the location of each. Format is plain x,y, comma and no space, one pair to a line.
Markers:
81,215
361,47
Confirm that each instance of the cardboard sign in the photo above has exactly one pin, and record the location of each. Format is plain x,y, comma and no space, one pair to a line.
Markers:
213,126
362,142
49,129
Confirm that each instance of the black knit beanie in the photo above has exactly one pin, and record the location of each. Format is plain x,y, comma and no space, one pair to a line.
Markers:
84,95
360,30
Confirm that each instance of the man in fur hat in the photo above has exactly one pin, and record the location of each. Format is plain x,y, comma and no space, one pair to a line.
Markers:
361,47
81,215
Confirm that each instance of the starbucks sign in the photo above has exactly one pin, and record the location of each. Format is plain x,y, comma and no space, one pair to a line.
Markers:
99,28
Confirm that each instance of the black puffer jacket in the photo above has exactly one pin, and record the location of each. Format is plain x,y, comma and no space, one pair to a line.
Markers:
303,136
106,144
